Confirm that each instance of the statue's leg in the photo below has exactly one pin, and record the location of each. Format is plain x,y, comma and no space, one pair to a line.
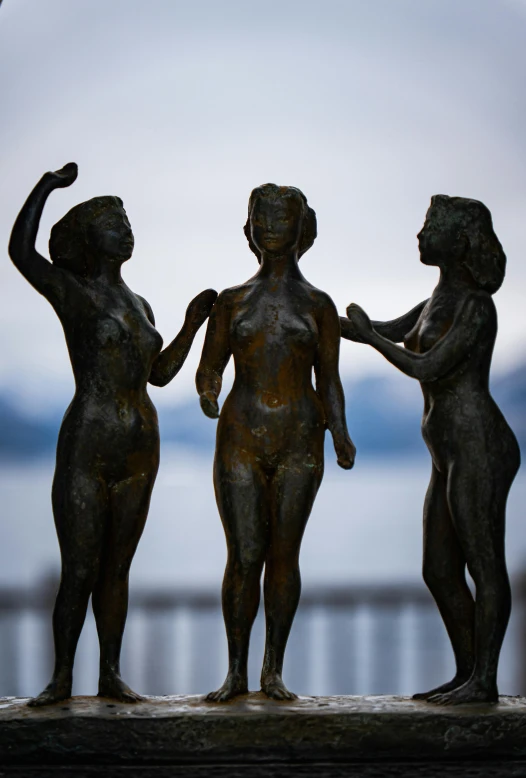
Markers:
294,488
242,500
444,572
477,501
129,502
80,507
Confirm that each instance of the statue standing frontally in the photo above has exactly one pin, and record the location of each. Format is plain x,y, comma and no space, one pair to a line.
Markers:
449,343
269,451
108,446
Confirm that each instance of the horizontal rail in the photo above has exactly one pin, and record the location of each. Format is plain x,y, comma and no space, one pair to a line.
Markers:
165,599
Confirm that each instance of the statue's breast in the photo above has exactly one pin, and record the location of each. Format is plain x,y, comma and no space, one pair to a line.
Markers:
245,327
111,331
274,326
301,329
129,330
430,329
431,334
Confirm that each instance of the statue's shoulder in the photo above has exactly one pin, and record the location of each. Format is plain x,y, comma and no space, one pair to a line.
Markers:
320,298
478,301
234,294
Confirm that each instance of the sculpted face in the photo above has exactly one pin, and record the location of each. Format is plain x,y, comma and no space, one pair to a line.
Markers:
111,234
438,237
275,224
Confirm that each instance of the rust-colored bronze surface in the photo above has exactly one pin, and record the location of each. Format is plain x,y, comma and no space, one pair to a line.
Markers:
269,450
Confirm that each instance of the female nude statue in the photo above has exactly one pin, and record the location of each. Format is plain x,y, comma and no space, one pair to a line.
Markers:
108,446
269,451
449,342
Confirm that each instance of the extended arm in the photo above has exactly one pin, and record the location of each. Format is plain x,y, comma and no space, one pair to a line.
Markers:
173,357
42,274
394,330
476,315
214,359
329,385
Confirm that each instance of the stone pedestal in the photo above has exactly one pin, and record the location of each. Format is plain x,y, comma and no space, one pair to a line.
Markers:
314,736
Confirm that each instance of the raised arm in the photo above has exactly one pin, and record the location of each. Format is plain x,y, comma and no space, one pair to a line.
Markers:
42,274
394,330
475,319
329,385
215,356
173,357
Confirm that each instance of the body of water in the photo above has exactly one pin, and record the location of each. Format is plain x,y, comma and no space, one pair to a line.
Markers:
366,524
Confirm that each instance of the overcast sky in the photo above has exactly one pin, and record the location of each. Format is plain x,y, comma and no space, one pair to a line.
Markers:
181,108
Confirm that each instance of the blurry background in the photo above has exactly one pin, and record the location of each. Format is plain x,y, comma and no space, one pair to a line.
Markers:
181,108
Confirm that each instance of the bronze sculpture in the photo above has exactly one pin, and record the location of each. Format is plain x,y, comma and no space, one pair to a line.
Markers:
449,342
108,447
269,449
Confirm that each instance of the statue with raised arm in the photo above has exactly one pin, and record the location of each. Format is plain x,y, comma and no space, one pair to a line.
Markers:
108,446
269,450
449,343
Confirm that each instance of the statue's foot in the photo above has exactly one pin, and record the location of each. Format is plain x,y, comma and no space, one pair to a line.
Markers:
445,687
234,686
112,686
56,691
469,692
273,687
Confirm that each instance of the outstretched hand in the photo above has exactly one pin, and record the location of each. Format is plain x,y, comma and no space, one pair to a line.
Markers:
361,323
199,309
63,177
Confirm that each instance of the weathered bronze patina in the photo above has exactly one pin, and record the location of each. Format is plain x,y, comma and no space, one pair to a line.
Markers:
253,737
449,342
269,450
108,447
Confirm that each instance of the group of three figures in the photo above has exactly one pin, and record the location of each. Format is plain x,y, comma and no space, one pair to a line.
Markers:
270,438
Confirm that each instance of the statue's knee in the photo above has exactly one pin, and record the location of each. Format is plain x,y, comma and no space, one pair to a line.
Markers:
490,577
436,577
246,565
79,579
284,567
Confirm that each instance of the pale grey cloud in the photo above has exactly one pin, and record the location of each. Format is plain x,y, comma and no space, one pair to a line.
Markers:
182,108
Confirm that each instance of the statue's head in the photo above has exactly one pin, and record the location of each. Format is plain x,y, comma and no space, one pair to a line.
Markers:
96,229
279,221
460,230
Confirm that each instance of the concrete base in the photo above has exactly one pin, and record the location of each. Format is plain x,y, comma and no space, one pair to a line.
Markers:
253,736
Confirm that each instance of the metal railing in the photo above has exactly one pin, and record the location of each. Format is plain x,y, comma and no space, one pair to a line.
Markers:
355,639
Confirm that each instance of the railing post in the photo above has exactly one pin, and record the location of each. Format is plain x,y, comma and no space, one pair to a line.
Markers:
48,590
520,604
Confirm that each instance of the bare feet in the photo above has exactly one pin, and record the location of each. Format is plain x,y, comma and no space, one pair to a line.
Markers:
471,691
273,687
57,690
234,686
111,685
445,687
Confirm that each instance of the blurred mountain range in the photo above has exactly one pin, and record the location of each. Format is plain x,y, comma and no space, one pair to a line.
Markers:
383,414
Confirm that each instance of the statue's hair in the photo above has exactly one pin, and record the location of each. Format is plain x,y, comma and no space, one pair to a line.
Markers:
485,258
69,236
309,226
